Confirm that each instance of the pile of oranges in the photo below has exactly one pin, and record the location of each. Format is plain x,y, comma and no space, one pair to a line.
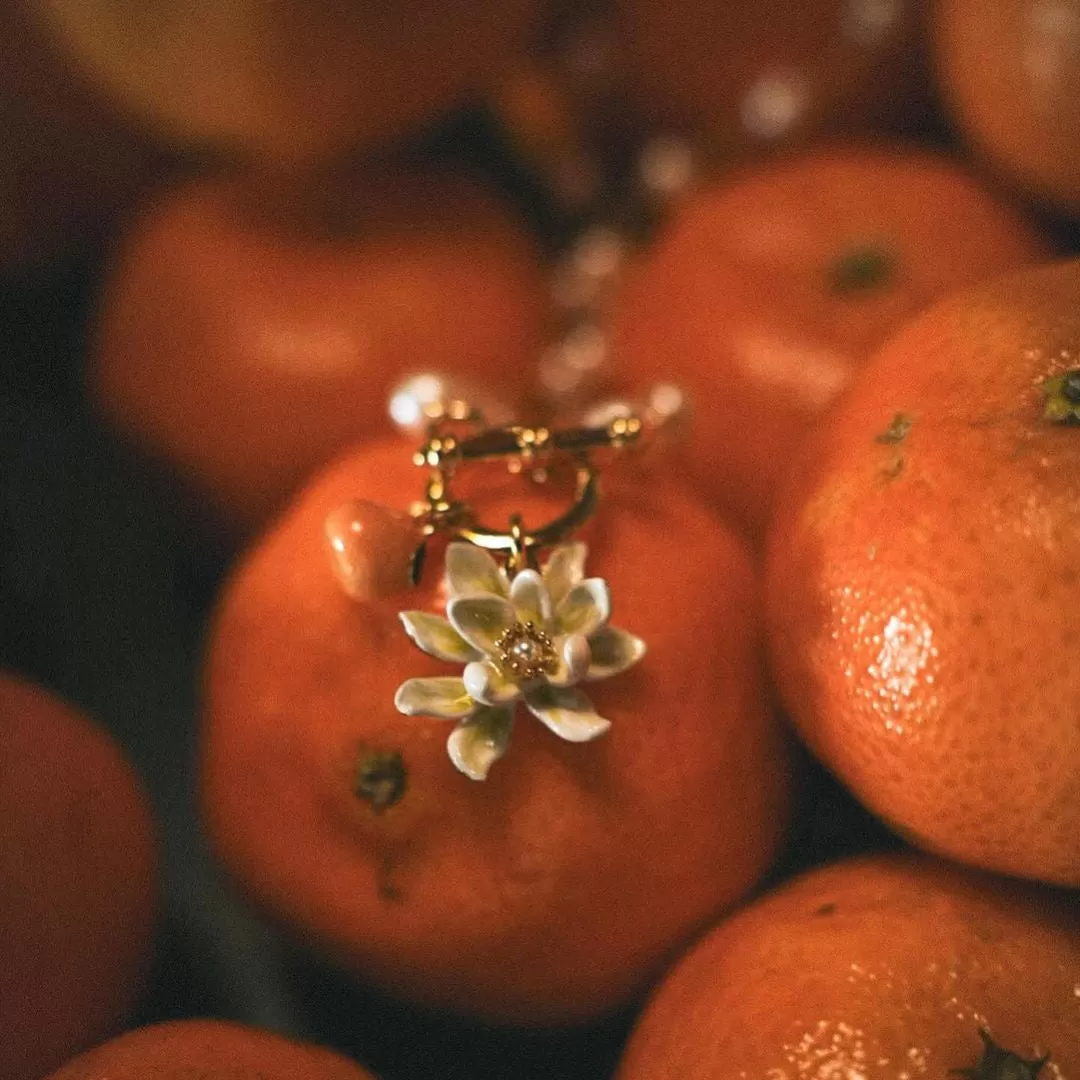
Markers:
831,828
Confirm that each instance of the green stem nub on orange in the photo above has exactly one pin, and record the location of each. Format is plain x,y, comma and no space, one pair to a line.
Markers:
861,270
897,431
380,778
997,1063
1063,398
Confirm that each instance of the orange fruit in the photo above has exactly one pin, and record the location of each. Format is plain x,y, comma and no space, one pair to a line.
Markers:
245,346
1009,77
533,897
71,163
754,74
211,1050
922,580
78,890
291,84
765,293
878,968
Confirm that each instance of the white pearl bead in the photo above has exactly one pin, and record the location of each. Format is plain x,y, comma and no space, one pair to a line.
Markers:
427,396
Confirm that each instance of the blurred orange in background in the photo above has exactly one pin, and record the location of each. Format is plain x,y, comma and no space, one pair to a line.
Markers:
750,75
289,82
246,334
768,289
78,882
210,1050
1010,74
99,100
69,162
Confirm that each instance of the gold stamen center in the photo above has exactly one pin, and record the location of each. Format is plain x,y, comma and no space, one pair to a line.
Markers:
526,652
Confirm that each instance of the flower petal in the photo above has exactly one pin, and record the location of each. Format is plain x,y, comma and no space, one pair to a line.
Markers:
477,743
486,683
471,571
613,650
530,598
574,658
445,698
481,619
564,569
584,609
437,637
566,711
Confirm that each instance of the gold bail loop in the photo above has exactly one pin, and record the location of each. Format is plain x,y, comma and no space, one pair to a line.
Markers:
518,558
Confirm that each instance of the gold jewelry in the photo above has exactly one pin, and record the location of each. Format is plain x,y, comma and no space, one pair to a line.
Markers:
524,632
523,448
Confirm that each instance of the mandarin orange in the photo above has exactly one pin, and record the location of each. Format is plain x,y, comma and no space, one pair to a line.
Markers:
245,343
922,579
554,890
292,83
71,163
879,968
767,291
209,1050
78,884
1009,76
753,74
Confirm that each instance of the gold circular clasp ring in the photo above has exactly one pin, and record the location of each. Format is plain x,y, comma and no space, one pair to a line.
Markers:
525,449
520,544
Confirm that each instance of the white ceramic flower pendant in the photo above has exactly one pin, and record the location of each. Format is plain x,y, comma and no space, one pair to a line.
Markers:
531,638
